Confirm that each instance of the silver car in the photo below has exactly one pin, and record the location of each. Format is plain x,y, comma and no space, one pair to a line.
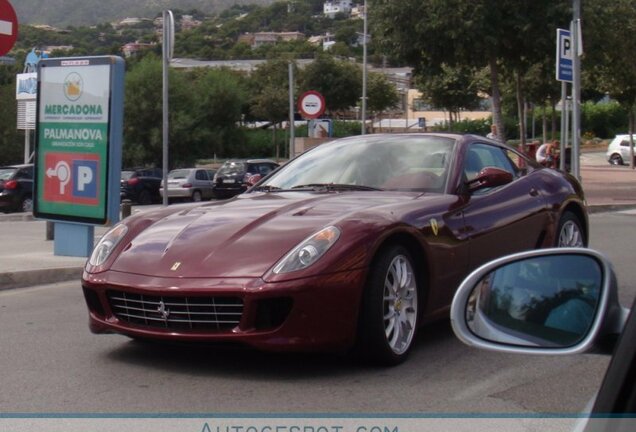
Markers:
189,183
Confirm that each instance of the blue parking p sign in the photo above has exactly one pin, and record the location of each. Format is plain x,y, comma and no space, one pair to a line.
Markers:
564,56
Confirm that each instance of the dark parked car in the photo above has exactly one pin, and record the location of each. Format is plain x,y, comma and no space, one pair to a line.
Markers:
556,302
16,188
141,185
233,176
355,243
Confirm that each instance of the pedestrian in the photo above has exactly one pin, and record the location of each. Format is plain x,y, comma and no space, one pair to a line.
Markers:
493,133
546,154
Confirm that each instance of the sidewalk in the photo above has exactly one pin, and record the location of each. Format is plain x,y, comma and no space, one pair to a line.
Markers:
27,259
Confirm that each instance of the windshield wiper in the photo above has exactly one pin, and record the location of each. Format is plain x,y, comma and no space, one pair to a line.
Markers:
336,186
266,188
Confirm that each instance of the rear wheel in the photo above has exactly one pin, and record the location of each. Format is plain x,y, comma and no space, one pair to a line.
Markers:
570,231
389,312
27,204
616,159
196,196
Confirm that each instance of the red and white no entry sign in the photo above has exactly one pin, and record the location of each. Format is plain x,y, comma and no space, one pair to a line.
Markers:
311,104
8,27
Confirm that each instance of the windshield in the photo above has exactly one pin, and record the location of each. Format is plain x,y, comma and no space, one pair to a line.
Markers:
6,173
398,162
178,174
232,168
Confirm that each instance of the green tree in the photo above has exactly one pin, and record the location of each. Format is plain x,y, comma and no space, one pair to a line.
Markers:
339,82
454,89
607,53
143,138
220,97
270,86
381,94
503,35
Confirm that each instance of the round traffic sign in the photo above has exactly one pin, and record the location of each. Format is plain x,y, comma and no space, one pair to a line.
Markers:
311,104
8,27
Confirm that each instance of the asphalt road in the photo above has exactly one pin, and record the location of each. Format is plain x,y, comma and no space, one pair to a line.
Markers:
51,363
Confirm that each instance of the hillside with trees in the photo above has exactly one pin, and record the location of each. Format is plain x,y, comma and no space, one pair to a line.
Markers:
63,13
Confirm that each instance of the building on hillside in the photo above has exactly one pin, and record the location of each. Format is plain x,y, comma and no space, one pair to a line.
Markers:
188,22
132,48
327,41
335,7
256,40
129,22
357,11
48,49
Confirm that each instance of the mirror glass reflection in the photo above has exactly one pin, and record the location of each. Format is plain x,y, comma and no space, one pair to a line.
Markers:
545,301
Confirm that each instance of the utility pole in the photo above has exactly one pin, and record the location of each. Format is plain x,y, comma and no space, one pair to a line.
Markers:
576,88
363,111
168,43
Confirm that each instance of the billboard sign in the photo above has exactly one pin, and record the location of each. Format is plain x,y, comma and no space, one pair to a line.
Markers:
78,139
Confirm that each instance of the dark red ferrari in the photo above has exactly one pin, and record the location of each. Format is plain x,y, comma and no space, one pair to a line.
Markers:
354,244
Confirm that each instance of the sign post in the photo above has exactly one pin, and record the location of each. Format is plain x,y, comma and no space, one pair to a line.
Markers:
565,74
564,56
78,147
8,27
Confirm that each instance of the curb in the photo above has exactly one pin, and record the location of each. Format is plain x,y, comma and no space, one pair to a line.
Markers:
31,278
604,208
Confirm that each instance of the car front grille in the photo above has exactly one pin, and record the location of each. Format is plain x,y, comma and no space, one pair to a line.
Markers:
177,313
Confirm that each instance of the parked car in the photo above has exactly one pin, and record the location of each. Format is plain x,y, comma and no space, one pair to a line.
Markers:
555,302
233,176
141,185
16,188
618,150
353,244
194,184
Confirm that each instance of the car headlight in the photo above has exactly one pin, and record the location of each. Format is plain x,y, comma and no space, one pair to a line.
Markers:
107,244
308,251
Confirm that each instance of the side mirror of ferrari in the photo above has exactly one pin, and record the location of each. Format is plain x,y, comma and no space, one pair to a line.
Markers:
548,301
489,177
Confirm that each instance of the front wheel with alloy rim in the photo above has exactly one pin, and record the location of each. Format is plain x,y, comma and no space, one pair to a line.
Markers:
389,311
570,232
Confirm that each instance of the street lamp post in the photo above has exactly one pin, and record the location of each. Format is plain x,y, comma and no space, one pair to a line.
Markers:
363,111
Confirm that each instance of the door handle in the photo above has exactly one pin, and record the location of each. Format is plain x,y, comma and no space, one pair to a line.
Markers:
534,192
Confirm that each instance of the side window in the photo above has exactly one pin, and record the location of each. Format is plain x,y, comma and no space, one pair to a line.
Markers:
201,175
211,174
264,169
480,156
624,143
252,168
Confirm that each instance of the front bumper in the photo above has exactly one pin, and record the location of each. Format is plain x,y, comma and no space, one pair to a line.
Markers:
312,314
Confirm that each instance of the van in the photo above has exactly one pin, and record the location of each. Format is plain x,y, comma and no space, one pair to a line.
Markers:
618,150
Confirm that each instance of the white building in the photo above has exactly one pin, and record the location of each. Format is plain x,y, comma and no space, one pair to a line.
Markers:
332,8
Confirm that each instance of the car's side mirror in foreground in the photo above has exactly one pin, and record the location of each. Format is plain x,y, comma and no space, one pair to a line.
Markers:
548,301
489,177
